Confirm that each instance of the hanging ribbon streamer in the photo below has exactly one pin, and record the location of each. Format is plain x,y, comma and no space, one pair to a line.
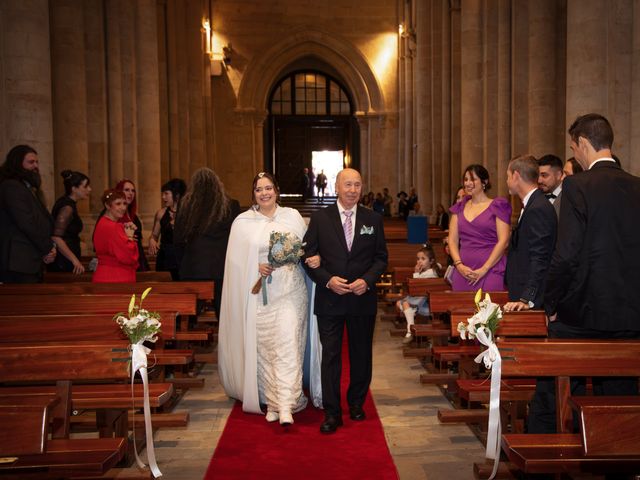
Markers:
139,364
492,360
264,281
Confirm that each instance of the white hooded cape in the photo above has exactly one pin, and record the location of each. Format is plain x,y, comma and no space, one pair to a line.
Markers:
237,343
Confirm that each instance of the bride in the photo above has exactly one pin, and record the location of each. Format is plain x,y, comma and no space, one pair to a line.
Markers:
262,336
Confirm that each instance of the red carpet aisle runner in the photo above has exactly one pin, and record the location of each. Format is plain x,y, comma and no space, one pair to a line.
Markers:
251,448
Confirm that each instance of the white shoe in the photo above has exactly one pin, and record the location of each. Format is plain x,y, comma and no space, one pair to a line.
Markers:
407,338
272,416
286,419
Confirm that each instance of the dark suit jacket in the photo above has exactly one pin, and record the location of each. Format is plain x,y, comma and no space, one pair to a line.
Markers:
530,250
367,259
26,227
594,279
202,258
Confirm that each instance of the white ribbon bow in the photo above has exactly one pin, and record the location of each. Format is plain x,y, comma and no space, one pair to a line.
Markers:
139,363
492,360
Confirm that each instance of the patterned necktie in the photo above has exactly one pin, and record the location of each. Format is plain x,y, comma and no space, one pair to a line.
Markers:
348,228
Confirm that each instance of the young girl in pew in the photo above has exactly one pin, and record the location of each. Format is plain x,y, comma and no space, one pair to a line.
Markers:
426,267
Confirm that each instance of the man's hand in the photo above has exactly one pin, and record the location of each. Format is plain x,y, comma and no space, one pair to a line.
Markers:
358,286
339,285
552,318
515,306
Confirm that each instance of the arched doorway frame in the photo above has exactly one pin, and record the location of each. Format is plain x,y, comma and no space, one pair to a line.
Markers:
357,75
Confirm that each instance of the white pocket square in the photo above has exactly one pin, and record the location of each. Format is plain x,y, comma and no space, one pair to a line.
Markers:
366,230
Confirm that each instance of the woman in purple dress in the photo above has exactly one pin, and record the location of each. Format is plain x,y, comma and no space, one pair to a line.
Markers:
479,231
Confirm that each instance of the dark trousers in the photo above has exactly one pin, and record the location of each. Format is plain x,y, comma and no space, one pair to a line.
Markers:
542,409
360,338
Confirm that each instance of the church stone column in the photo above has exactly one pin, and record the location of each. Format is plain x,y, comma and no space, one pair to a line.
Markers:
148,109
364,123
542,78
587,69
69,89
471,85
25,73
423,181
96,107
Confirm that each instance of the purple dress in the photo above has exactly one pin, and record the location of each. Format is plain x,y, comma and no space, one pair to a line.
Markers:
477,239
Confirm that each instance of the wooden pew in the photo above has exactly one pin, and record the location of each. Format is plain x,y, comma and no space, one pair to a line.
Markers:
57,456
183,303
425,287
68,277
445,302
566,452
515,393
202,290
441,304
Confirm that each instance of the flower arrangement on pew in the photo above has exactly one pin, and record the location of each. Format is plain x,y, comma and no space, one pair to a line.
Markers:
284,249
483,325
141,326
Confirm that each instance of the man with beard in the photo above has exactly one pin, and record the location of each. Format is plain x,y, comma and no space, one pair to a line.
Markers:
25,222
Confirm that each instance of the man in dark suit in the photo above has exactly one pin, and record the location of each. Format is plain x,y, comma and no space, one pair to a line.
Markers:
550,180
593,283
25,222
351,244
532,240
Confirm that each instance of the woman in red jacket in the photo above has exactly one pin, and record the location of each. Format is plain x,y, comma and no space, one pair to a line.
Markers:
114,242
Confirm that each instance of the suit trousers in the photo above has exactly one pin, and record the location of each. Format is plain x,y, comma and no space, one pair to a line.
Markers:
542,409
360,339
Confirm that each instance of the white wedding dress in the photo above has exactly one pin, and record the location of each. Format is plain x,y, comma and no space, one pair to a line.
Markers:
281,327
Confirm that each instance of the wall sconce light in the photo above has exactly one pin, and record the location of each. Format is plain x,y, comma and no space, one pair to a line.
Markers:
218,55
207,35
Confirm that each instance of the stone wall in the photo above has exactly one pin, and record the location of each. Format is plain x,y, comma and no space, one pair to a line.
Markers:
125,89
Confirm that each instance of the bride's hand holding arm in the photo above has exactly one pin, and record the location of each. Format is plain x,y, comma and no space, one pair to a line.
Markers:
313,262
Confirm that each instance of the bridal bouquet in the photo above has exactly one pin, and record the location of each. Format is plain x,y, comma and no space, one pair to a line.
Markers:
141,325
284,248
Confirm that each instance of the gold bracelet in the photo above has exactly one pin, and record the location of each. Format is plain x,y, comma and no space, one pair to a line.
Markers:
457,262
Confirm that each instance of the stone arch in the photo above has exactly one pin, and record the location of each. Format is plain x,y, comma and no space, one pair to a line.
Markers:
340,54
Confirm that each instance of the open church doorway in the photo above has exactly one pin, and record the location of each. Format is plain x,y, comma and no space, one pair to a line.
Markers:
329,163
310,119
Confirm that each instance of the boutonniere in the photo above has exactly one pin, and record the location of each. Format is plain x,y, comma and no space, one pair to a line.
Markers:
366,230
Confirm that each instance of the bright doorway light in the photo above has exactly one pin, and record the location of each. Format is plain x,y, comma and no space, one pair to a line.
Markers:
331,162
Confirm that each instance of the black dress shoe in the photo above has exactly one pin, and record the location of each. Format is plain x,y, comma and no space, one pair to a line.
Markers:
330,424
356,413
